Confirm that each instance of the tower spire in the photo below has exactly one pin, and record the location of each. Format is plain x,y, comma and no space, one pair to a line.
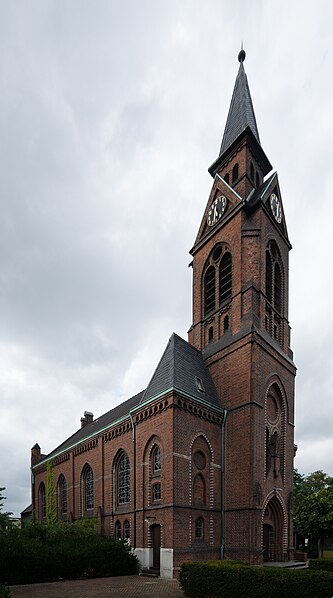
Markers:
241,121
241,112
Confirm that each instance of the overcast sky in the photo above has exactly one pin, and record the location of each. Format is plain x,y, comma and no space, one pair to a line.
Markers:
110,114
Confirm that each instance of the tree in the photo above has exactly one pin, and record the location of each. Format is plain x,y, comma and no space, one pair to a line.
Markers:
313,506
5,521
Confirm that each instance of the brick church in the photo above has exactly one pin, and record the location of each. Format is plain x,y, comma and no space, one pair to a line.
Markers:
199,465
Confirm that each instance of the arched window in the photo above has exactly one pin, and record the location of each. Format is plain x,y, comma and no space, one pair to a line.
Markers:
62,495
156,460
251,171
126,534
117,530
199,490
42,501
209,289
210,334
225,277
235,173
87,488
199,528
123,480
226,178
226,323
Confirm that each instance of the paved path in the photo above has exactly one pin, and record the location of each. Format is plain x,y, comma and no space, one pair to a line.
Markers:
107,587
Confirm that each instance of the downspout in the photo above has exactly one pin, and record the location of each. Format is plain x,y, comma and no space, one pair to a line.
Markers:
134,476
224,419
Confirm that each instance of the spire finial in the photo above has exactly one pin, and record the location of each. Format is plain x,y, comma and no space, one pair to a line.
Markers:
241,55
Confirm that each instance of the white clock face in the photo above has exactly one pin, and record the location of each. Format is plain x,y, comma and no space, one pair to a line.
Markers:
217,210
276,208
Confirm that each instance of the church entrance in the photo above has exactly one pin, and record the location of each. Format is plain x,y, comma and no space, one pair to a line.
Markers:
273,532
155,531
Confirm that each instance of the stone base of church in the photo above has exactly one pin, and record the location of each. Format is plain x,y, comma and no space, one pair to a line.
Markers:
145,556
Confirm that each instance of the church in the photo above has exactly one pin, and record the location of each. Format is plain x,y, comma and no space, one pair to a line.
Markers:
199,465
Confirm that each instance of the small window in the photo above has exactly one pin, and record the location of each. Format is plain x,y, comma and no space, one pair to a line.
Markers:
199,384
251,171
157,460
156,492
199,528
235,173
210,334
257,179
62,495
117,530
226,324
126,535
226,178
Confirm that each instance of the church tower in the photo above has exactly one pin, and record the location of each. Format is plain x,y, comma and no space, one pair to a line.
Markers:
240,324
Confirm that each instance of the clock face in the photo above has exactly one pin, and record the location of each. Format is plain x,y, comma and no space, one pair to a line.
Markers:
276,208
216,210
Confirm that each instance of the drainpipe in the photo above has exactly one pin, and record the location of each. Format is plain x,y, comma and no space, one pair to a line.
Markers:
224,419
134,476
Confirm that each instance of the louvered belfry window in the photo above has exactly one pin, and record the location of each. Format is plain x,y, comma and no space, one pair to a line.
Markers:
225,277
217,281
274,292
209,284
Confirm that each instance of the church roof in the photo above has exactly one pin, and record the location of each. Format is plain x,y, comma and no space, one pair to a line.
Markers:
241,113
183,369
97,425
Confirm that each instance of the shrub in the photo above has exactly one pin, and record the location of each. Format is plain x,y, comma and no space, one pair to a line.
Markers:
203,580
321,564
4,592
39,554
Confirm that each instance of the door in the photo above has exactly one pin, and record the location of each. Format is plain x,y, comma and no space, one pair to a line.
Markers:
268,542
156,542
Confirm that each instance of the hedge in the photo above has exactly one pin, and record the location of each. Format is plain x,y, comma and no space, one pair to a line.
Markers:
222,580
4,592
321,564
39,554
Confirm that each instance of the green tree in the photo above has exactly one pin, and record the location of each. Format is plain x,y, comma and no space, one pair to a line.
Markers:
5,521
313,506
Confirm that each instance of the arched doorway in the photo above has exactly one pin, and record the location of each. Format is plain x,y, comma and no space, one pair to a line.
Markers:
273,531
155,531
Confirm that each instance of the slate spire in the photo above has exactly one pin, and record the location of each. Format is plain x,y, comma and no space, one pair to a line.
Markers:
241,112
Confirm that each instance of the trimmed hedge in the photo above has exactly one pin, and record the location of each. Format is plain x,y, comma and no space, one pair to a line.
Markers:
222,580
321,564
39,554
4,592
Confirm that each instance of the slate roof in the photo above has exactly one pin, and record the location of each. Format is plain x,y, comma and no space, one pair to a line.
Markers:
98,424
179,367
241,113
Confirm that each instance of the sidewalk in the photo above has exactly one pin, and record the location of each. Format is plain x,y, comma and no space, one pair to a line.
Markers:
107,587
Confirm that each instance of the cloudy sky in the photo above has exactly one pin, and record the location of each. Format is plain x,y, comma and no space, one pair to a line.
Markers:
110,114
